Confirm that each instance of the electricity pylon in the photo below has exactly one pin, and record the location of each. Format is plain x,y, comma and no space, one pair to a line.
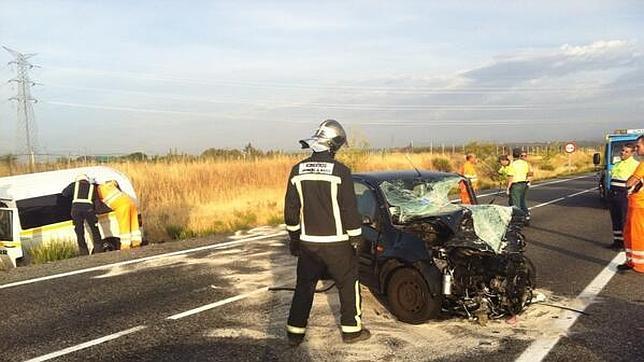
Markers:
24,101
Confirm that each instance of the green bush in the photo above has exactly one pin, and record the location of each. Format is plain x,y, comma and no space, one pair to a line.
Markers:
178,232
441,164
55,250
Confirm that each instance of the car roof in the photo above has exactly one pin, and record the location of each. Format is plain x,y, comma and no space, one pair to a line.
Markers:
378,177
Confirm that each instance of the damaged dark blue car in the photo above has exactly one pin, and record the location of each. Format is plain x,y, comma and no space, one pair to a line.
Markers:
424,253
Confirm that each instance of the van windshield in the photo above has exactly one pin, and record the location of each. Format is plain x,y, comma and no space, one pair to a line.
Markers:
616,147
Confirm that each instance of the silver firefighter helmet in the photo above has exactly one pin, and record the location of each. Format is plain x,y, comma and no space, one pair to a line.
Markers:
329,136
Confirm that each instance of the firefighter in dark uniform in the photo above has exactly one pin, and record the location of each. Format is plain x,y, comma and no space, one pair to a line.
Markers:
323,222
617,201
83,193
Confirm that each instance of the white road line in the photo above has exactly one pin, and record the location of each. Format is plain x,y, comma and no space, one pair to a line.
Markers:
562,198
582,192
542,184
140,260
540,348
91,343
216,304
547,203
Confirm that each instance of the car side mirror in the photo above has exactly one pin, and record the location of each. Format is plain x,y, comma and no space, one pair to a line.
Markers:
597,159
367,220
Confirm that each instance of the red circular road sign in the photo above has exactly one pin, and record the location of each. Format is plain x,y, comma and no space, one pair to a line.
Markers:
570,147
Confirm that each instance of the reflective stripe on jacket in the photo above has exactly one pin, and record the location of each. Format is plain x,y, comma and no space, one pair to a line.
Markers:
83,192
109,192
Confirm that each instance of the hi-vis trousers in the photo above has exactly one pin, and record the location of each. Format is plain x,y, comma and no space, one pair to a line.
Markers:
634,237
128,220
340,261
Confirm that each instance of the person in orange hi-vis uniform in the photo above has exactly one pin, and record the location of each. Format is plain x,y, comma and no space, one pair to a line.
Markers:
126,213
634,226
469,171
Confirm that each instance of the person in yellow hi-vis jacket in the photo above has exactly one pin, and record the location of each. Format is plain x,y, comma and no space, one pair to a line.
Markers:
126,213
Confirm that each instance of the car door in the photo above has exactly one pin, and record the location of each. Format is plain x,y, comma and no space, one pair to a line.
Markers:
371,233
10,245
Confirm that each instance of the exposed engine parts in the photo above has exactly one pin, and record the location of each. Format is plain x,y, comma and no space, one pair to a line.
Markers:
476,279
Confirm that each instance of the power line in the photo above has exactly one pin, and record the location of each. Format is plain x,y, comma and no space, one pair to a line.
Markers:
272,104
384,123
418,90
24,102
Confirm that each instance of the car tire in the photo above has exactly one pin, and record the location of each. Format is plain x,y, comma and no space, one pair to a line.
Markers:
409,297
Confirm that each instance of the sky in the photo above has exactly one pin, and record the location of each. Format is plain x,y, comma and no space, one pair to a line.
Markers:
149,76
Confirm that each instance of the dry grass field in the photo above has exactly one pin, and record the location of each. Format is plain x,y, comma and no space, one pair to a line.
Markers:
180,199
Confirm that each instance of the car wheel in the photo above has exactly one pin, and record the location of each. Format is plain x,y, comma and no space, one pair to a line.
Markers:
409,297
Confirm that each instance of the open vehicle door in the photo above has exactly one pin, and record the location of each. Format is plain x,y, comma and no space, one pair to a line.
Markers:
371,232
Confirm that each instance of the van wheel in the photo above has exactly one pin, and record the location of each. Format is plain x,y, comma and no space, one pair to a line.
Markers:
409,297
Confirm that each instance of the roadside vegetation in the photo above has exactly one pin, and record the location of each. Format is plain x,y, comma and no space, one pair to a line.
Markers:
56,250
220,191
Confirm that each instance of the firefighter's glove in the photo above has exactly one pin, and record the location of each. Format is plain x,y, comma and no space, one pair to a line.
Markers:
355,241
294,243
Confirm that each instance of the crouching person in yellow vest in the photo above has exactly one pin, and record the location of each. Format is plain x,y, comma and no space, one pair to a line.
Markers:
126,213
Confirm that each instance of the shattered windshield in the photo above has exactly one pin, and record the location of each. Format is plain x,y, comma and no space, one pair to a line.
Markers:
410,199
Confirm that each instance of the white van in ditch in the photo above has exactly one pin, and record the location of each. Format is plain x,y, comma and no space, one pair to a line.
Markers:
33,211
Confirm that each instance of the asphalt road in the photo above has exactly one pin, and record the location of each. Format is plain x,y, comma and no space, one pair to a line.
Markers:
206,299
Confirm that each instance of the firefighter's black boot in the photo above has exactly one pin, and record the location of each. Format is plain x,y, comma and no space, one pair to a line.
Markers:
363,335
294,339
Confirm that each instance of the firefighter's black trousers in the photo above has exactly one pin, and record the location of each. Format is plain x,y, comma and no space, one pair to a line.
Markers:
341,263
80,214
617,204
